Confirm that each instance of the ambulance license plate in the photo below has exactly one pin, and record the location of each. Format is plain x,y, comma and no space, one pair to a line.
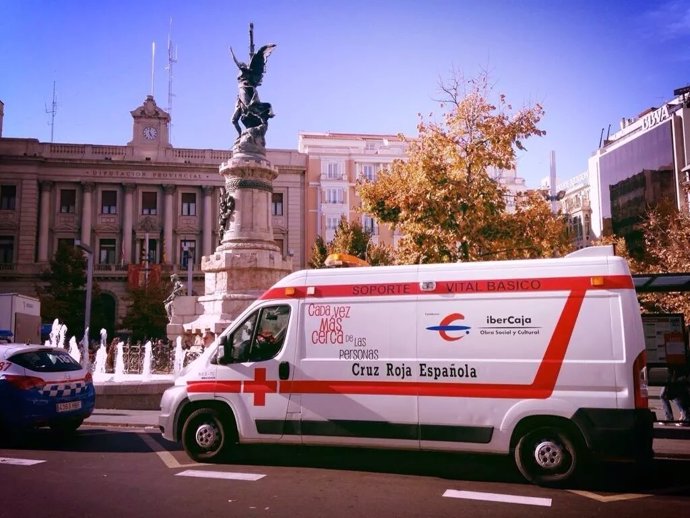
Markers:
66,407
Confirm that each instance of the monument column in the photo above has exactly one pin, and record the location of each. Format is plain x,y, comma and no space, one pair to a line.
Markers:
46,187
168,222
86,212
127,215
247,261
207,235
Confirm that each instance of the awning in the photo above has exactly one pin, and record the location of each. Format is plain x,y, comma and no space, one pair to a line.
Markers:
661,282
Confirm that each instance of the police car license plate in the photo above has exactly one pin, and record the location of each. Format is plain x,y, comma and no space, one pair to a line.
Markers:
66,407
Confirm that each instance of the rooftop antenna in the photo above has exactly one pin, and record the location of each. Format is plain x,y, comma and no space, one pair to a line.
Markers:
153,61
552,181
172,58
52,112
251,41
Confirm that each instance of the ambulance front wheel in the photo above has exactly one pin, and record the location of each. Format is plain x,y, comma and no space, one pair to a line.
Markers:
547,456
204,437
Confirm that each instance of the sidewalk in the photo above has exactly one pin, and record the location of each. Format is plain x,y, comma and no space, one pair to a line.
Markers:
124,418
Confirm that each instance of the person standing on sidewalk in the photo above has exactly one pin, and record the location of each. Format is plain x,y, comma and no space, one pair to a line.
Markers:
677,390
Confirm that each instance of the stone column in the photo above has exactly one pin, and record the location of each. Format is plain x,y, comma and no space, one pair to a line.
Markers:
46,187
86,212
250,182
207,226
127,216
168,223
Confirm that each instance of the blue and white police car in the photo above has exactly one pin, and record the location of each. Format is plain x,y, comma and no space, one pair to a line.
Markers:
43,386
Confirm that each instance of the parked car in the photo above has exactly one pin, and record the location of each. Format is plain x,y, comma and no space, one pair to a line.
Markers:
43,386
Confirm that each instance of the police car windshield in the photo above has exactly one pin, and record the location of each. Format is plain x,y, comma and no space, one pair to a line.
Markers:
49,360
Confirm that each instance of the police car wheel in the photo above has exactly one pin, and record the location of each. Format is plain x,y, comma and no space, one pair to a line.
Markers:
547,456
203,435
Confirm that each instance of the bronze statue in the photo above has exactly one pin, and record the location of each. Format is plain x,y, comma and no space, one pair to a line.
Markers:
249,110
226,206
177,289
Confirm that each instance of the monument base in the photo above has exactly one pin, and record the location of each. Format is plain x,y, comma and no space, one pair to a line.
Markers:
234,278
247,260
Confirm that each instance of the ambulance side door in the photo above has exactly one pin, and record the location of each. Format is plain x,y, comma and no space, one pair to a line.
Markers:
261,356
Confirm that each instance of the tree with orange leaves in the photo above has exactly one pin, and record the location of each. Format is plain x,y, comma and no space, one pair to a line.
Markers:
442,199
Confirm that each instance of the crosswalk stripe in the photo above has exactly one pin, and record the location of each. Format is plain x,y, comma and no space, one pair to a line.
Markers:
168,459
220,474
498,497
19,462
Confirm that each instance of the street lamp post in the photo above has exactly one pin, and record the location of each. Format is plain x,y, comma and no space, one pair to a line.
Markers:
189,253
89,289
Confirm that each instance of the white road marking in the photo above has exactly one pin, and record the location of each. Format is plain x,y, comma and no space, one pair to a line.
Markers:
498,497
19,462
608,498
220,474
163,454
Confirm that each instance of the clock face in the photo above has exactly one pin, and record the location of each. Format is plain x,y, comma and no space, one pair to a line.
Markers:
150,133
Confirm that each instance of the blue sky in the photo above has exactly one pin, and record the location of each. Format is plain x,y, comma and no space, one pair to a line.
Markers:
343,66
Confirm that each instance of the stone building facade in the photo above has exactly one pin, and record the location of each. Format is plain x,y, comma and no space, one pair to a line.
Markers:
144,208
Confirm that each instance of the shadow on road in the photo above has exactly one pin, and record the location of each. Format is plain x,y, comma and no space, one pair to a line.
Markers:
85,440
664,476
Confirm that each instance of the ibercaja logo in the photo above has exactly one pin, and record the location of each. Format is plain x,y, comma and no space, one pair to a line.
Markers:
449,329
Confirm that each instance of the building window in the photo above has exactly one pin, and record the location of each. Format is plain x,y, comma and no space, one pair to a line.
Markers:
68,201
333,171
334,196
149,203
68,242
106,251
368,172
188,204
332,222
369,145
8,197
369,225
187,252
152,255
277,201
6,249
109,202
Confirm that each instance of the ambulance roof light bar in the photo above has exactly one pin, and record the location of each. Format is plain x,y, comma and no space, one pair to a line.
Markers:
344,261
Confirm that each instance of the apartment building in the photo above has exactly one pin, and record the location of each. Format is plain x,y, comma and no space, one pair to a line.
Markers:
336,161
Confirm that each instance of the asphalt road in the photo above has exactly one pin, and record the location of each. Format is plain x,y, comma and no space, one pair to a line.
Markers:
104,472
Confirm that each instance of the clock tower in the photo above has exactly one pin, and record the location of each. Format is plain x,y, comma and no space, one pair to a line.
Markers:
150,128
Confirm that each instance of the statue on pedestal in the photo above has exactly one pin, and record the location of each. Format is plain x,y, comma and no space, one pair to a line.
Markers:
226,206
249,110
177,289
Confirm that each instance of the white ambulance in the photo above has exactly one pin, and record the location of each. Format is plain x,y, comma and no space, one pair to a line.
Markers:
542,358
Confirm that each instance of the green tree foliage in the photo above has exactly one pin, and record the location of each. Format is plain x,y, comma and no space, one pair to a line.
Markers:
443,200
146,317
319,252
63,293
350,238
666,234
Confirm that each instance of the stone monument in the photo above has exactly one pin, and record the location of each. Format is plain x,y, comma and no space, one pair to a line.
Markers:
247,260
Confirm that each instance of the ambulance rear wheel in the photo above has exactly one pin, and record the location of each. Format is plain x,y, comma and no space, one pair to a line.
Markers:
547,456
204,437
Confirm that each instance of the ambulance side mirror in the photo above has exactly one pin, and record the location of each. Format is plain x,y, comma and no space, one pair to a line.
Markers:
226,345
